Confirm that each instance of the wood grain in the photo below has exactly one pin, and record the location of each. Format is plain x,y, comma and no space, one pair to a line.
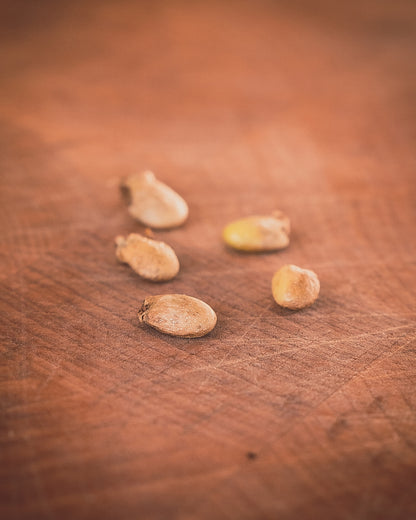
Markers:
242,107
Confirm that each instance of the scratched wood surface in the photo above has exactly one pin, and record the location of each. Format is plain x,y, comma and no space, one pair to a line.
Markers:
243,107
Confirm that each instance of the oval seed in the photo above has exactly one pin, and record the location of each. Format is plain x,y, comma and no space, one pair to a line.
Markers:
178,315
295,288
258,233
153,203
151,259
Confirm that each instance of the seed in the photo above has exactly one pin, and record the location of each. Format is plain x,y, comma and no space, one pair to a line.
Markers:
295,288
178,315
258,233
151,259
153,203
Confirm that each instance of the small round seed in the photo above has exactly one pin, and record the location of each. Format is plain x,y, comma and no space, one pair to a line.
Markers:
153,203
178,315
258,233
295,288
151,259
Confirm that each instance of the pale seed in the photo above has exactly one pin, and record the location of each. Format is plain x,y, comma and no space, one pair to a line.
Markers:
178,315
153,203
151,259
295,288
258,233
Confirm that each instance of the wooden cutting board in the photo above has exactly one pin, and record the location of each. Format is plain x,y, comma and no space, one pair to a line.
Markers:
242,107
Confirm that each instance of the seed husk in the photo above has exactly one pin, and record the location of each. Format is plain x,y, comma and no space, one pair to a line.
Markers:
151,259
178,315
294,287
258,233
153,203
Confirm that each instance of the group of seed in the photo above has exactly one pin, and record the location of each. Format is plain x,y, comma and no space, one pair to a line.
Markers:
157,206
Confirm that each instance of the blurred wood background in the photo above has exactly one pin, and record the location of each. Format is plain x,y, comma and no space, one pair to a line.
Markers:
242,107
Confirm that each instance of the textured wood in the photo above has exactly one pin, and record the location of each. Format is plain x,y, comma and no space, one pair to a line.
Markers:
242,107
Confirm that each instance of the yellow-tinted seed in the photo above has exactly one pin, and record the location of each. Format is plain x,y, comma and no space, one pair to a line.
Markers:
178,315
153,203
258,233
295,288
151,259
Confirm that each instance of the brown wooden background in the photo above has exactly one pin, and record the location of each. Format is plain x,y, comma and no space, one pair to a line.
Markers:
243,107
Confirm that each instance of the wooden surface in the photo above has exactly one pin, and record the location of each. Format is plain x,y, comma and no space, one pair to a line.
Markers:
243,107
